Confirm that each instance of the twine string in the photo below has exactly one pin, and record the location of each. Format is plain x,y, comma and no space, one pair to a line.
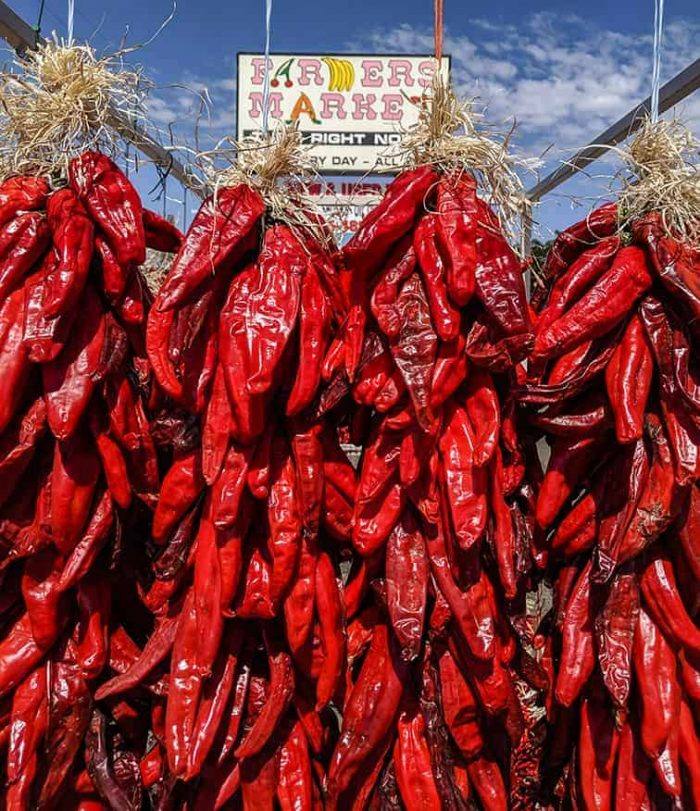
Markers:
266,78
438,29
656,67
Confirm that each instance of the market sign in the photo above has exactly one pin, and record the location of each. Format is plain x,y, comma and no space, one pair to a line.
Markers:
350,108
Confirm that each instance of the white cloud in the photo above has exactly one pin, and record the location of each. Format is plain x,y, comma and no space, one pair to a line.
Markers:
562,79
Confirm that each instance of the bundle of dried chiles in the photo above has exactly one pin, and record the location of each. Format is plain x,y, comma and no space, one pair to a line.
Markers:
444,506
615,388
78,467
245,586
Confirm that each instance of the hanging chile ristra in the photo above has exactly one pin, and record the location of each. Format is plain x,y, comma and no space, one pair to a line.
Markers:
251,511
614,387
79,473
444,508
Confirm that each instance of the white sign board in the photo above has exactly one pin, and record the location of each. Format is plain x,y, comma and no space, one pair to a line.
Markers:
350,108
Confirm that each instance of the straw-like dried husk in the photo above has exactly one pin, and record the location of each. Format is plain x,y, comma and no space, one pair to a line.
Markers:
63,100
662,175
277,164
449,136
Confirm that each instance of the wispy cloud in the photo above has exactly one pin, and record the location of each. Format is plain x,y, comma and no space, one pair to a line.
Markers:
561,79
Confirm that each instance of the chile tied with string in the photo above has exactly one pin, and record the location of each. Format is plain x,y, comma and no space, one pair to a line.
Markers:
444,508
613,389
238,336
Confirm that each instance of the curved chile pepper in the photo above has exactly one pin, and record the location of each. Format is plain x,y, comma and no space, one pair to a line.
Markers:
444,314
577,656
628,381
222,232
601,308
456,234
331,621
407,584
665,604
113,203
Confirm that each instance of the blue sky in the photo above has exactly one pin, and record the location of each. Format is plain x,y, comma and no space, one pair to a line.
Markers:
564,70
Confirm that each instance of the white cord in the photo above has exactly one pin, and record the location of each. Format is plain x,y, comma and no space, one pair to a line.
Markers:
266,79
656,69
71,15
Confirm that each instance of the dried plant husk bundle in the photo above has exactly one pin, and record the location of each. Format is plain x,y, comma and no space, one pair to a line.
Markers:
612,387
238,336
61,100
438,325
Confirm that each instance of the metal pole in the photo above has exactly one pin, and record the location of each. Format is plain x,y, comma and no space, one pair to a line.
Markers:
682,85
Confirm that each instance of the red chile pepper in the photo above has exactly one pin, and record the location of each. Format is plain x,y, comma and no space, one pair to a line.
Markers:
299,604
294,776
157,647
68,380
181,487
72,233
44,337
19,654
415,345
184,689
23,240
658,688
615,627
570,461
673,262
488,783
483,409
222,232
280,694
598,224
414,772
21,193
470,606
272,305
407,584
504,539
499,279
658,502
113,203
92,636
161,234
597,752
445,315
215,696
578,278
18,445
247,409
633,772
689,750
28,723
466,483
577,656
74,475
601,308
456,234
400,264
628,381
314,334
459,706
69,716
449,372
370,712
331,619
665,604
14,359
365,253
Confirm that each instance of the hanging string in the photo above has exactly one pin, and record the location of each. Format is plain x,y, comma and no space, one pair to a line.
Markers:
266,78
438,15
656,69
71,15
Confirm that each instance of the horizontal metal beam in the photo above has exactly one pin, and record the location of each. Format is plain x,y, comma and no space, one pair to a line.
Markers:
682,85
22,37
